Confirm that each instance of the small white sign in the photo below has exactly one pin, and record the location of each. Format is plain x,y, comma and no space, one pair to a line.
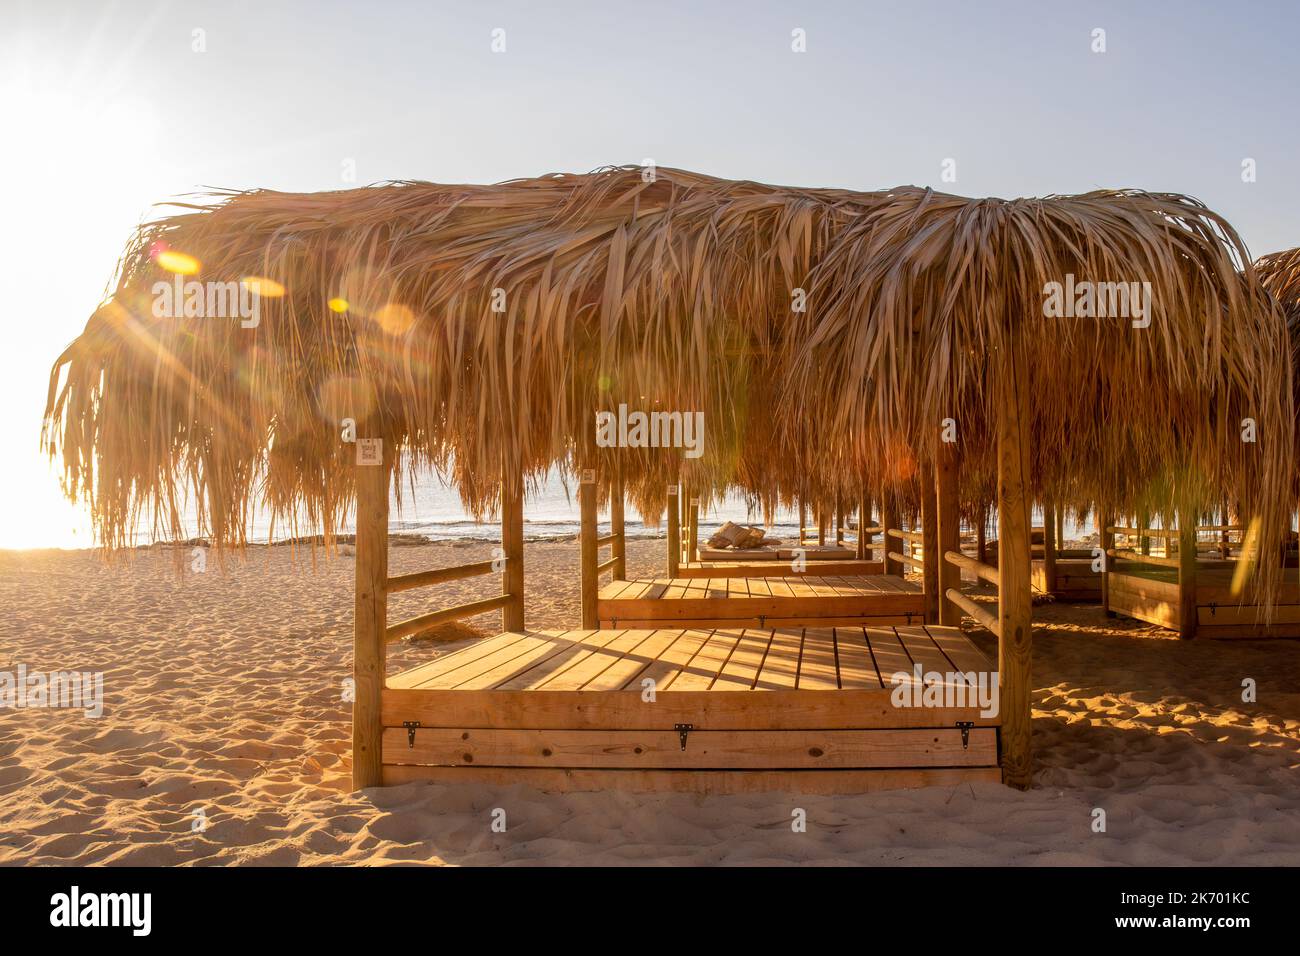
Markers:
589,476
370,451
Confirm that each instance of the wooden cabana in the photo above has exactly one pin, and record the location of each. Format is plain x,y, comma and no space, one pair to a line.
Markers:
479,330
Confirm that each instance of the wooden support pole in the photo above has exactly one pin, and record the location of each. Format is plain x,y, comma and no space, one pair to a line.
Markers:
1106,540
1049,546
1187,574
1144,542
803,519
370,622
512,543
589,578
674,530
945,477
693,533
982,536
1225,547
821,523
1015,602
1060,527
864,522
618,547
931,556
889,519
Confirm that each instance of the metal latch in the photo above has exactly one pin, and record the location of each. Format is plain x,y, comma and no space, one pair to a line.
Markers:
410,726
964,726
1213,607
762,622
682,731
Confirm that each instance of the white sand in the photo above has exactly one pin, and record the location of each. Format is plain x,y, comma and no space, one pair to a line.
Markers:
223,694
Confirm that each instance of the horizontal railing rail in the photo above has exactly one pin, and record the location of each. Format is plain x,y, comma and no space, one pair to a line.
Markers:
907,559
983,615
424,622
419,579
981,570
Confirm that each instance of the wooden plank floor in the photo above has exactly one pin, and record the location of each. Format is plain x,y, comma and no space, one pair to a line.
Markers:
811,600
705,710
721,659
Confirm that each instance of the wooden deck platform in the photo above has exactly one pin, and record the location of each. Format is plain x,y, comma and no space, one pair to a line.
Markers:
796,709
1151,594
811,600
777,569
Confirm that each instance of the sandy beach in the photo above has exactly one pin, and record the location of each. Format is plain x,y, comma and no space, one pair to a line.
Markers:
225,738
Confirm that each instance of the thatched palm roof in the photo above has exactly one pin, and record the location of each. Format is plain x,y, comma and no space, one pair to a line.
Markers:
672,291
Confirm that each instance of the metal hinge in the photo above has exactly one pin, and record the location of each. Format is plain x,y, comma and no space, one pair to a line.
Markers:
1213,607
964,726
682,731
762,621
410,726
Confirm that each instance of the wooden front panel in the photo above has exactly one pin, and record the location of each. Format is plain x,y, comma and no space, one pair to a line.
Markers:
695,781
703,749
630,710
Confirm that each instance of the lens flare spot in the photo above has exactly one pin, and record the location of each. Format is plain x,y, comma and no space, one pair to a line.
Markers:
262,286
337,304
394,318
177,262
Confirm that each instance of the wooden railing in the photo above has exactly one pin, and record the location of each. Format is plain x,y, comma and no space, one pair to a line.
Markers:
510,565
986,572
910,538
590,543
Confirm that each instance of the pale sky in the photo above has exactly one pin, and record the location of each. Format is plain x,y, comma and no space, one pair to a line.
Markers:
108,108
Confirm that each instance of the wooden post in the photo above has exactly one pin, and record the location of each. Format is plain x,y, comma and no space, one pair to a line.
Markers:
945,475
889,519
1015,603
864,521
674,530
982,537
370,621
1049,546
589,579
1186,574
693,533
1225,547
929,545
821,523
1144,542
512,543
618,547
1106,541
1060,527
803,519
